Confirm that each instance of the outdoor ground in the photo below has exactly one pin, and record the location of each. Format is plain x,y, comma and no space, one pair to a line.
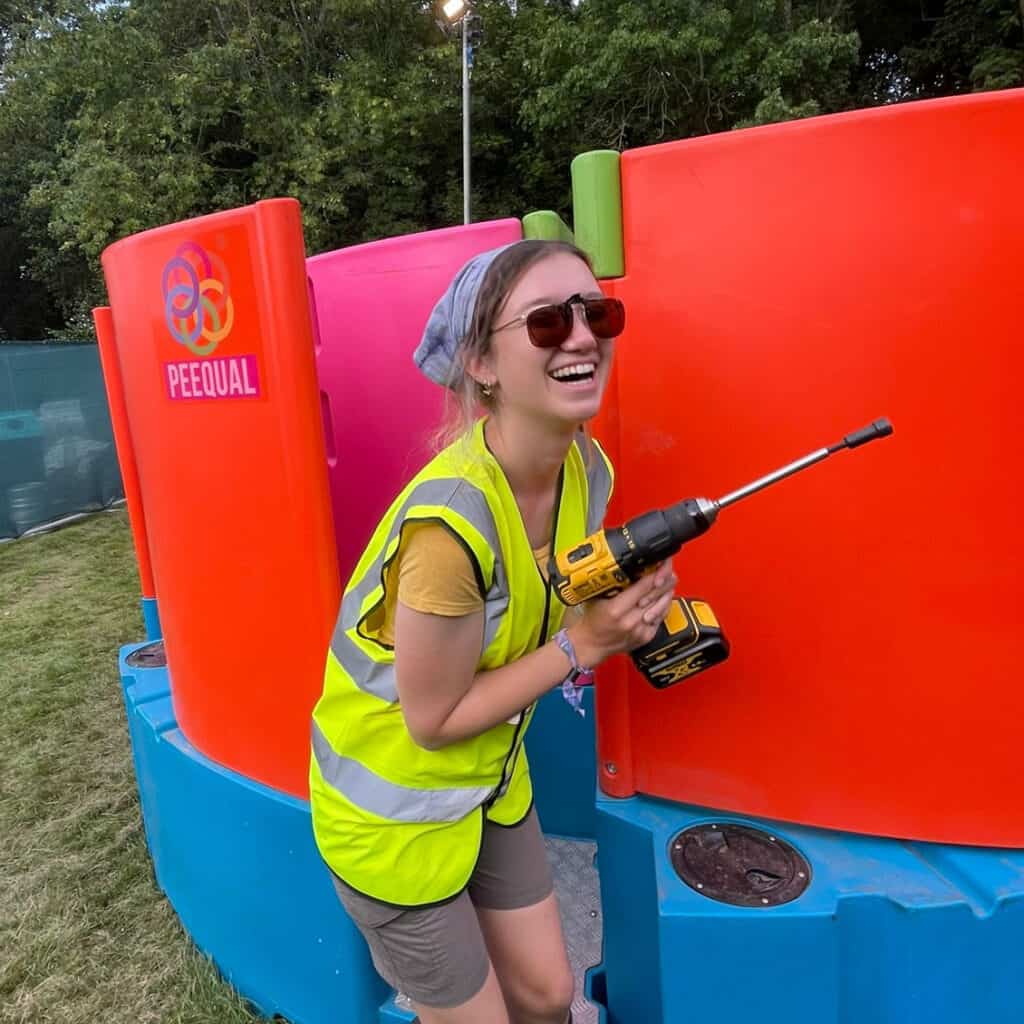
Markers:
85,935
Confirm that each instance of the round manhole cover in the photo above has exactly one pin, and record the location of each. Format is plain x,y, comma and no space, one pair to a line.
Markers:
150,656
737,864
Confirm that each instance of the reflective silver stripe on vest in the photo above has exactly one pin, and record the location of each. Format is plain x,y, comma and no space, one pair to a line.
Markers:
373,677
599,485
367,790
496,604
458,495
461,497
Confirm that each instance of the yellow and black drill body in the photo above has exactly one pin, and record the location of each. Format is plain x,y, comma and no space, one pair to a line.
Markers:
690,638
608,561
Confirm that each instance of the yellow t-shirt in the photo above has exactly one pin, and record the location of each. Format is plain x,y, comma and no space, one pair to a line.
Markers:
434,575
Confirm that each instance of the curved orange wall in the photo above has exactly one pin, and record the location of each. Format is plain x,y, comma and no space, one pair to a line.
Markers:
786,285
123,440
227,436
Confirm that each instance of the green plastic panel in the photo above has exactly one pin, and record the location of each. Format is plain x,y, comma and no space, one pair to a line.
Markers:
547,225
597,210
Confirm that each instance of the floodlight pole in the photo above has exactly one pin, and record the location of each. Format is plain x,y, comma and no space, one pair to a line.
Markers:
465,122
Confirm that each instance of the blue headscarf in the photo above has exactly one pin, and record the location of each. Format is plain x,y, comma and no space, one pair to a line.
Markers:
449,323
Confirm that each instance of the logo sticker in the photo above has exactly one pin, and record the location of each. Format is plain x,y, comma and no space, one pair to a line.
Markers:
199,312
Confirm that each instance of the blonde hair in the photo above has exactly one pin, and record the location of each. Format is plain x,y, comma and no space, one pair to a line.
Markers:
465,399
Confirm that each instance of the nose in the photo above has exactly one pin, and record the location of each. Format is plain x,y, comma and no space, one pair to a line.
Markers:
581,337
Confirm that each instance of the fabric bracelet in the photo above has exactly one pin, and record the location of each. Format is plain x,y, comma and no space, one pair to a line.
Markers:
577,677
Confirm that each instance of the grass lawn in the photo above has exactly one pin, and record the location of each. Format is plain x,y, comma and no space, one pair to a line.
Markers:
85,935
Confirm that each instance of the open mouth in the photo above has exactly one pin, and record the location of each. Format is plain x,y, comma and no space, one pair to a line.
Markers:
578,373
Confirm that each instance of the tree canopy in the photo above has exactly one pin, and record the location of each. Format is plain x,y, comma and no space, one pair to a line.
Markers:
119,115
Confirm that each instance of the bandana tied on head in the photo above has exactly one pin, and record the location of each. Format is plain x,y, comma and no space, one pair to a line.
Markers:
449,323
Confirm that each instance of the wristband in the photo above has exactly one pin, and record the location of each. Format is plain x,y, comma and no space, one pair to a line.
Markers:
577,677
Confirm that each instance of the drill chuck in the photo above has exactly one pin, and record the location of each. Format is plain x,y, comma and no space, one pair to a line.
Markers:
656,536
691,518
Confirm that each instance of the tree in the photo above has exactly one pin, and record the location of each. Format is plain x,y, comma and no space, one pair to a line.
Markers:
623,74
117,116
33,112
916,49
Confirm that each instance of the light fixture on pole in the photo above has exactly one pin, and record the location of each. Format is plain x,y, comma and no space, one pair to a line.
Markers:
457,12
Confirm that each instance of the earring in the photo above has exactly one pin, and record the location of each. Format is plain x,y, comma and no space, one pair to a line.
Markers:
486,389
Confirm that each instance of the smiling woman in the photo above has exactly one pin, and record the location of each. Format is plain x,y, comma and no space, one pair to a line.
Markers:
448,635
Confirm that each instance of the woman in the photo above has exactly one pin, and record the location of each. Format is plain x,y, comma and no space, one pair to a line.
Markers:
448,634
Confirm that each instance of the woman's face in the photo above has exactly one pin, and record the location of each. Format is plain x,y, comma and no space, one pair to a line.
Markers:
532,381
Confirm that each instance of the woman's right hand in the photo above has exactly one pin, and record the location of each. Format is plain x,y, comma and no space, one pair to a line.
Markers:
626,621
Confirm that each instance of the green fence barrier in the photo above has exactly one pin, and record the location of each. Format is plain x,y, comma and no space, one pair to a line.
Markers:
57,454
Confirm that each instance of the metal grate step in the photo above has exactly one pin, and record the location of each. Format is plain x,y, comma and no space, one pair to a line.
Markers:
579,898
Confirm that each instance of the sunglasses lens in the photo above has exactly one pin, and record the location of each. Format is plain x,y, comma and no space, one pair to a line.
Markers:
547,326
606,317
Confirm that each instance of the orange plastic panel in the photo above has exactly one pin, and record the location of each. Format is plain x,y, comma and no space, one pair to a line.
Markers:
123,440
214,343
785,286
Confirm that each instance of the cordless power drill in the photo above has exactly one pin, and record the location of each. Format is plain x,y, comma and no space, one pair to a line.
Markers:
690,639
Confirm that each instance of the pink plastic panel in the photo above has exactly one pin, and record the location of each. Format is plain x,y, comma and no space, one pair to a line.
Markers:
370,304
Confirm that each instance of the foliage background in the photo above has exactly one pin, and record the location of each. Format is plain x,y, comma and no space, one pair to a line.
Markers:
119,115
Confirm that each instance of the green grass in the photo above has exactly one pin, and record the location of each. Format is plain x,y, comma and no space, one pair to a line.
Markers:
85,934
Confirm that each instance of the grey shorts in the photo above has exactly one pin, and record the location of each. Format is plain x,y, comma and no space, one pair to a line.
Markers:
436,955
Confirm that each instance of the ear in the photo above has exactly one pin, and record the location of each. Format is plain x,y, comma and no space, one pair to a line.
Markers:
480,368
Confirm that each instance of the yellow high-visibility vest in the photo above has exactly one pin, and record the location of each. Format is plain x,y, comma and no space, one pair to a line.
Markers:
394,821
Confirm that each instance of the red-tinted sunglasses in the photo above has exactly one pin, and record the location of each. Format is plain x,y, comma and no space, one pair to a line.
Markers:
549,326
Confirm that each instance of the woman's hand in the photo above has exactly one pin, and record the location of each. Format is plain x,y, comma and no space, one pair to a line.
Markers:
626,621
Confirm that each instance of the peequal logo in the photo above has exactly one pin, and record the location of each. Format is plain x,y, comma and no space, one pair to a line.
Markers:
200,313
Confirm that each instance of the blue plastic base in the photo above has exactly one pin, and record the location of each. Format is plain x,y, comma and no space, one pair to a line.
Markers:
238,864
887,933
151,618
563,765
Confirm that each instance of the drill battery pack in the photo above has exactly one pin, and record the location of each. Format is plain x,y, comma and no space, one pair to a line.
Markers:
689,641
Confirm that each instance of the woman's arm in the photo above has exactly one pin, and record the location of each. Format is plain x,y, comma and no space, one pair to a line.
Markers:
445,700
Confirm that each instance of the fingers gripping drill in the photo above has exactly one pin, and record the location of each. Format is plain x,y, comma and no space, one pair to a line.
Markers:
690,639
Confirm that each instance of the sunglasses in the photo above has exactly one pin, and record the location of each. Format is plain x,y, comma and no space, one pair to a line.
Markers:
549,326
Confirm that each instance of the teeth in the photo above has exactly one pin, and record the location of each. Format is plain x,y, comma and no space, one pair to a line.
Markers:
576,368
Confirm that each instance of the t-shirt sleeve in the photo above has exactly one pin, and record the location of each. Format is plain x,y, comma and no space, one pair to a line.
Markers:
435,574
